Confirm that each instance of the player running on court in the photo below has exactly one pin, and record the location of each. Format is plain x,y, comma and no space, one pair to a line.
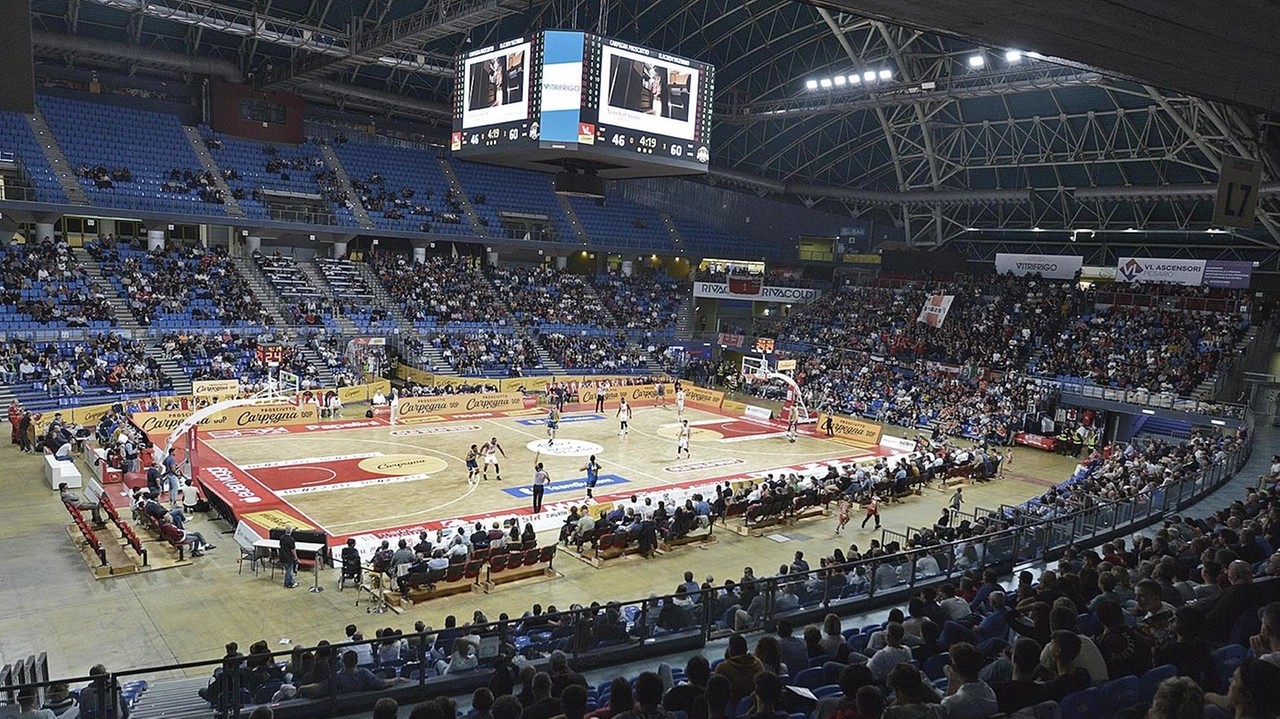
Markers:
592,468
473,464
624,416
843,510
553,423
682,439
491,450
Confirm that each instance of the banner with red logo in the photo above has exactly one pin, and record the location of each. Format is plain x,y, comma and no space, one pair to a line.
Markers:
934,311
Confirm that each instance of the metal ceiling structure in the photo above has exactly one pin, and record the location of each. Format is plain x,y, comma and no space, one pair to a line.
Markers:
949,148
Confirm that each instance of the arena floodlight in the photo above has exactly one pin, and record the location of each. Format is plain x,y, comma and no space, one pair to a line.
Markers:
886,74
869,76
811,85
855,78
825,83
976,62
839,79
1013,56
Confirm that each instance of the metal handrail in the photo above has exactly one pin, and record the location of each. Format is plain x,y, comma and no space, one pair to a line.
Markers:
1038,540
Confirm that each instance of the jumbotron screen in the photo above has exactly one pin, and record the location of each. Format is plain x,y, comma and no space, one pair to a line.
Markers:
575,94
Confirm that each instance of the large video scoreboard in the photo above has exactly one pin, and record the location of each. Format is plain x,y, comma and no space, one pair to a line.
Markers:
577,95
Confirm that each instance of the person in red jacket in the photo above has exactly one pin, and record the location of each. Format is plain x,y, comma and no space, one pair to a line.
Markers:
172,534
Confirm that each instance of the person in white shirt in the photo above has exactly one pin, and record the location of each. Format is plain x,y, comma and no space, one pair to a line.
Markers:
682,439
893,654
968,697
680,407
624,416
957,608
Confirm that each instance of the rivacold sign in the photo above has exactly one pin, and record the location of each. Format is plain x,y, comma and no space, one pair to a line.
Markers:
802,295
1053,267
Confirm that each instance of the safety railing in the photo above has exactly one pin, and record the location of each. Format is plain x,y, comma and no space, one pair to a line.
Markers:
1145,398
632,630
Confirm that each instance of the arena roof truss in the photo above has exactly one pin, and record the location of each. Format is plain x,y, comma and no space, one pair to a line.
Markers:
955,138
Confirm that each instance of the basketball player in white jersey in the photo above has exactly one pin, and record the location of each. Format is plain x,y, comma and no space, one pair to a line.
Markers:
624,416
679,401
682,440
491,450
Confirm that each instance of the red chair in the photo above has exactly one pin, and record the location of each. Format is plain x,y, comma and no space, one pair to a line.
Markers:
472,570
497,564
532,556
454,573
547,554
480,554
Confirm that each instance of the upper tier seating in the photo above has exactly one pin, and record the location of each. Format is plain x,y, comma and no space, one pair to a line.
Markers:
402,188
42,286
620,223
16,137
250,168
145,145
89,371
498,189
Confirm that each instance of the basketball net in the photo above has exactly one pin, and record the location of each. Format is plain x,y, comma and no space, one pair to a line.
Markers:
757,369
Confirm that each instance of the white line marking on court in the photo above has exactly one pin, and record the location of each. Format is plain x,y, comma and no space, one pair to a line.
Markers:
287,463
750,437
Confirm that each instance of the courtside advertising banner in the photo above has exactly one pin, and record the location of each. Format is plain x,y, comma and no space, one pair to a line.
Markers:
1050,267
934,311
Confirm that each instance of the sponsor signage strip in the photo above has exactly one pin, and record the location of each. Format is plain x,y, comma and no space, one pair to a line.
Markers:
411,407
566,485
1052,267
862,432
803,295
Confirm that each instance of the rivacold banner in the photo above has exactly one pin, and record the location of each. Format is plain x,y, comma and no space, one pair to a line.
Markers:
1160,269
1053,267
802,295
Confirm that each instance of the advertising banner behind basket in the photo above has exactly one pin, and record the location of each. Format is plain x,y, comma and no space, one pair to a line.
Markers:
801,295
1210,273
934,311
856,430
221,388
635,393
409,407
1052,267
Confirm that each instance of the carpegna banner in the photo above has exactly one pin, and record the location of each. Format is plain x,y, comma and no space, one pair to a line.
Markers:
803,295
934,311
1052,267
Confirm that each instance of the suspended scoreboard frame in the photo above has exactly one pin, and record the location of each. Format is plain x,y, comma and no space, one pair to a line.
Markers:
562,99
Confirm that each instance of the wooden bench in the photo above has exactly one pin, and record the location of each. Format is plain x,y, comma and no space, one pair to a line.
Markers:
514,566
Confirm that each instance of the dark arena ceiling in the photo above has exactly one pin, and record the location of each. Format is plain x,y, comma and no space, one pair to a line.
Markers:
990,119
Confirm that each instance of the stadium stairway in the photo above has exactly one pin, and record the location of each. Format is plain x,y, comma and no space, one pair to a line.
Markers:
175,699
579,230
344,182
674,232
685,317
324,376
456,185
57,159
206,161
382,298
263,290
181,381
345,326
99,282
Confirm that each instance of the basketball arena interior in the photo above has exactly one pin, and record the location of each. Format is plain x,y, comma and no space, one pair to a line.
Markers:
356,354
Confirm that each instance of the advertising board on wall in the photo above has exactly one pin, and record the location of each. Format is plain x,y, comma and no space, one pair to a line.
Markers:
1052,267
1209,273
801,295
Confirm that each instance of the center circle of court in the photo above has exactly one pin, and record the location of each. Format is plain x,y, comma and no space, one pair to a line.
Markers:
402,464
695,433
565,448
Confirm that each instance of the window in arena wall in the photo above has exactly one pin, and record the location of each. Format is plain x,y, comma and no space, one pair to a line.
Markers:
268,113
